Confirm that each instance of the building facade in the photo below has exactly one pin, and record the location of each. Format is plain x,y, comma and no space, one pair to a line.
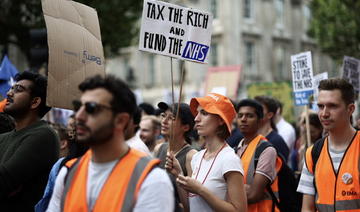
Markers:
259,35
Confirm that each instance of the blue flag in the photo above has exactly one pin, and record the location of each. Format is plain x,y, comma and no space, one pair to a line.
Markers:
7,74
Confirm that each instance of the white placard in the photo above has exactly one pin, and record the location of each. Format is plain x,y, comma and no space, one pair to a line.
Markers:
351,71
302,75
317,79
175,31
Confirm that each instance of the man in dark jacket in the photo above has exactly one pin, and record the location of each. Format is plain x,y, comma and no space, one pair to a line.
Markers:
28,152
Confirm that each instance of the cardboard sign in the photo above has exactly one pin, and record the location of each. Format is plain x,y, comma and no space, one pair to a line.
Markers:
317,79
223,79
351,70
175,31
75,49
279,90
302,75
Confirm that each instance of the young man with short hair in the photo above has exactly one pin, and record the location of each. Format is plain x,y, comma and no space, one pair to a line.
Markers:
111,176
256,177
331,183
28,152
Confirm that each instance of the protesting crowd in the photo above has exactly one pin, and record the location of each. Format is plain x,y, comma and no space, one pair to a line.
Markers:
209,154
216,152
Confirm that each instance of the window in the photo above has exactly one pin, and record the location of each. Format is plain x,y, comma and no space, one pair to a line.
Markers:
214,8
250,55
248,9
307,16
279,7
214,54
280,59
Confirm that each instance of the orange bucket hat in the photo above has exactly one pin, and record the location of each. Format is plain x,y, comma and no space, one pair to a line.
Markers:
215,104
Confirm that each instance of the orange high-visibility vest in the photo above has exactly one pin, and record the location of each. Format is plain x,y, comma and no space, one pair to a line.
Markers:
119,192
337,191
2,105
248,161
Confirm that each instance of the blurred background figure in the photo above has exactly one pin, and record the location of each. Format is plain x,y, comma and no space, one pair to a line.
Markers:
357,122
64,139
284,128
132,133
146,109
316,132
235,136
268,127
149,130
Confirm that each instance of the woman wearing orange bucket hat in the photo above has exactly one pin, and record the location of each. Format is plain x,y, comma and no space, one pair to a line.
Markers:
216,182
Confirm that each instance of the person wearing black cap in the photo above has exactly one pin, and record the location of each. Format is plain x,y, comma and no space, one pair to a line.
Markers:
177,139
176,134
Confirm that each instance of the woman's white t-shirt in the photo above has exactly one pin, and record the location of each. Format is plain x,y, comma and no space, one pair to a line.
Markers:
226,161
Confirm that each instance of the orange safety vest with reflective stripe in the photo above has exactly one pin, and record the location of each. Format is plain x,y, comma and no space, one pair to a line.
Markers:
248,161
337,191
120,190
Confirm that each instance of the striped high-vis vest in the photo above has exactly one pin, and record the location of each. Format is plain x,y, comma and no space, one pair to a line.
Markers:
120,190
248,161
337,191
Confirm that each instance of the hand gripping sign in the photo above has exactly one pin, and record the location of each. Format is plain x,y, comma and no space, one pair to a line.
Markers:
175,31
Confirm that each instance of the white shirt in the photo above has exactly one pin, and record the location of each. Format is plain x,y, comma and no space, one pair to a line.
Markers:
156,185
226,161
136,143
287,132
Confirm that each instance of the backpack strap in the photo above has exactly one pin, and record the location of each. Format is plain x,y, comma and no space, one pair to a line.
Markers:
315,152
71,168
259,149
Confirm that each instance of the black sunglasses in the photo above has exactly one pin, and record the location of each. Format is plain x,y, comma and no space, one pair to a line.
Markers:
90,107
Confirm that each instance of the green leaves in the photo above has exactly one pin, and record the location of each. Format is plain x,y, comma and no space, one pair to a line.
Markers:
336,27
118,22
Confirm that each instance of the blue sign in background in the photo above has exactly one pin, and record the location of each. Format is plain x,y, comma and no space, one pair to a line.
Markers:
302,97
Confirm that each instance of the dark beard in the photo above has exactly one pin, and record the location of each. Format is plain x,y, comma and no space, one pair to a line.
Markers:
100,135
18,113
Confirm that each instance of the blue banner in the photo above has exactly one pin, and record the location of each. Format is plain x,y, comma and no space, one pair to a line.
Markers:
302,97
7,74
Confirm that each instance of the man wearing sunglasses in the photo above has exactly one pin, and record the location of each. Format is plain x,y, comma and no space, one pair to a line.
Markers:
28,152
111,176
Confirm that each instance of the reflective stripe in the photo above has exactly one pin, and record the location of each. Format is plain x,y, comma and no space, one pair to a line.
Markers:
325,208
340,205
348,204
129,200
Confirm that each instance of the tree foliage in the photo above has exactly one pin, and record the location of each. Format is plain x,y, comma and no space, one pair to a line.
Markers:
117,22
336,27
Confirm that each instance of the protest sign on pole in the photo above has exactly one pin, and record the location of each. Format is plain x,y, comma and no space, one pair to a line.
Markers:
302,75
351,71
75,49
317,79
223,80
175,31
